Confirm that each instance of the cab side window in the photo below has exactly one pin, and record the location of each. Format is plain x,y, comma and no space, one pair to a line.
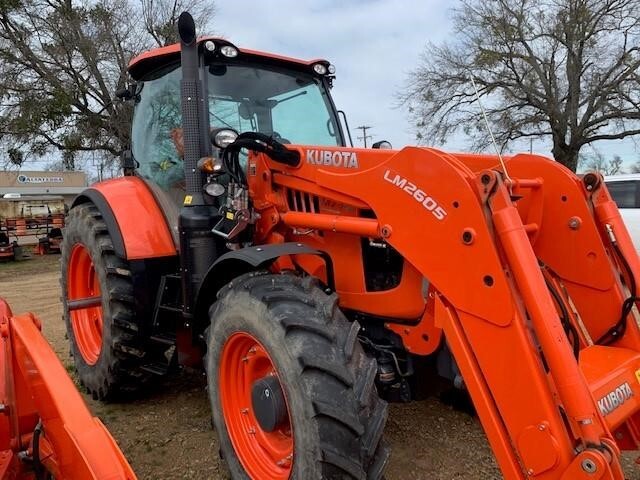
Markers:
625,194
156,136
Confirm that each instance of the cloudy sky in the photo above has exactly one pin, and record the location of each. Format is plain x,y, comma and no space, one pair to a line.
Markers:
372,43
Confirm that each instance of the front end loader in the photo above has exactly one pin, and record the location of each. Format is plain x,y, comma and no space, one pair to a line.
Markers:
46,429
315,282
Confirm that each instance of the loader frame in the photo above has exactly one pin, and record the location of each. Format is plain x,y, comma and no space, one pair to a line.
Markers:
489,259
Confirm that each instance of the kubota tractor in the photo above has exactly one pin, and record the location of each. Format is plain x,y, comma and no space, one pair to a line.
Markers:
315,282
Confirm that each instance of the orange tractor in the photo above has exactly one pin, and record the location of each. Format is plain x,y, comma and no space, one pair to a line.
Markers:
315,282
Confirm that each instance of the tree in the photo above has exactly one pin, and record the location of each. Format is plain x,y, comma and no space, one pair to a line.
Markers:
16,157
635,168
160,17
568,70
61,62
597,162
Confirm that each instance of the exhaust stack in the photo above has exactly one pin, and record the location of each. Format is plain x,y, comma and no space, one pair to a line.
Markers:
198,248
192,107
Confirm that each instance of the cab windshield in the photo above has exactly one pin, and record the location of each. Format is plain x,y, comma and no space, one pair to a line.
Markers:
292,106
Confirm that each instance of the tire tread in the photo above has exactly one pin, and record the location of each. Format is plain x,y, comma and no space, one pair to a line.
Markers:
119,372
337,375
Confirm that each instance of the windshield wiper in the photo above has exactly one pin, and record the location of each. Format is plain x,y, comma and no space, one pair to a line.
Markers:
270,103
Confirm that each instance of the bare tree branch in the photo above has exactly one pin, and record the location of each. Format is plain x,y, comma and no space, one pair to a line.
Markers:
61,62
564,69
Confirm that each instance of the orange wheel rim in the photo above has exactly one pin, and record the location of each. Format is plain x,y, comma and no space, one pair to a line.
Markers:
263,454
82,283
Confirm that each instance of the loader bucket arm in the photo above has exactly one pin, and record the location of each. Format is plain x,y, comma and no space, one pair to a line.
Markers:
45,426
525,280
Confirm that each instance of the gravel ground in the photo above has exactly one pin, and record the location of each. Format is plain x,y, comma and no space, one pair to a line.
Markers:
166,434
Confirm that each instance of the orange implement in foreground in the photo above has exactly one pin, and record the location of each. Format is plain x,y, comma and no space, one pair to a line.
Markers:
45,427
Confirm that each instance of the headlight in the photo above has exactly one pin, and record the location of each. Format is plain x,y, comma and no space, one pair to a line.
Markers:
320,68
229,51
209,45
332,69
223,137
214,189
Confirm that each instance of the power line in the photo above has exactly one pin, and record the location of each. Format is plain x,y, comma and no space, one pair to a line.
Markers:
364,136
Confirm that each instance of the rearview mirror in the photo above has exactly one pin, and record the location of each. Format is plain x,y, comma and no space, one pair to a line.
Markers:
382,144
128,163
129,92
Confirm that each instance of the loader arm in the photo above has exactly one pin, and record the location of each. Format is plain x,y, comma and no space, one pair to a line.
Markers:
528,273
45,426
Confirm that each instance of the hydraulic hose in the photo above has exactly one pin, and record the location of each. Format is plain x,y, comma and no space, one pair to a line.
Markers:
617,331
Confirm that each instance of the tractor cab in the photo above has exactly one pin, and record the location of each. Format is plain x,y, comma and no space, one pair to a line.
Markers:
245,90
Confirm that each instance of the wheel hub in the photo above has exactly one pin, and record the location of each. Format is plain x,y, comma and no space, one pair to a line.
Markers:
268,403
255,408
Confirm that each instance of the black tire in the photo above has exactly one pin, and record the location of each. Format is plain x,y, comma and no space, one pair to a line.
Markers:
117,369
328,380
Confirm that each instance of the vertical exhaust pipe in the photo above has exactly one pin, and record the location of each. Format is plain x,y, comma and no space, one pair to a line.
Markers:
192,106
198,248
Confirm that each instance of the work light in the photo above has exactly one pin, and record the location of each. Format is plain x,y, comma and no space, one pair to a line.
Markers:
320,68
223,137
229,51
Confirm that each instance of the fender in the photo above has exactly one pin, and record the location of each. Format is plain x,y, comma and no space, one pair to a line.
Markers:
235,263
136,224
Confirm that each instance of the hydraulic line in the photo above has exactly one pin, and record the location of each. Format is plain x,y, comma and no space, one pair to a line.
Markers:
570,330
258,142
617,331
38,468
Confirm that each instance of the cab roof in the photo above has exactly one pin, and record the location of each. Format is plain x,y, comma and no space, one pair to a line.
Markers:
152,60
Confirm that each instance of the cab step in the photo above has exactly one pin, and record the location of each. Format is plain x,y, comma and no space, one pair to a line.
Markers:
164,339
158,369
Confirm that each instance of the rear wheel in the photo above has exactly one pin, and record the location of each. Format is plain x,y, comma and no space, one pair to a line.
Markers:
292,392
98,307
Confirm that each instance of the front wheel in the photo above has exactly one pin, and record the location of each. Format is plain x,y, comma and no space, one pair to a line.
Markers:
292,392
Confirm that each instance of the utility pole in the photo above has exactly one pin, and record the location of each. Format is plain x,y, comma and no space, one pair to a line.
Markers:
364,136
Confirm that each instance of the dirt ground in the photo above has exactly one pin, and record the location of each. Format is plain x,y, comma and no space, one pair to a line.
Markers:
167,433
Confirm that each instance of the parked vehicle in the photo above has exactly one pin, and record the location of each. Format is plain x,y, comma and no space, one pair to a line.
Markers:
28,216
625,190
7,247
